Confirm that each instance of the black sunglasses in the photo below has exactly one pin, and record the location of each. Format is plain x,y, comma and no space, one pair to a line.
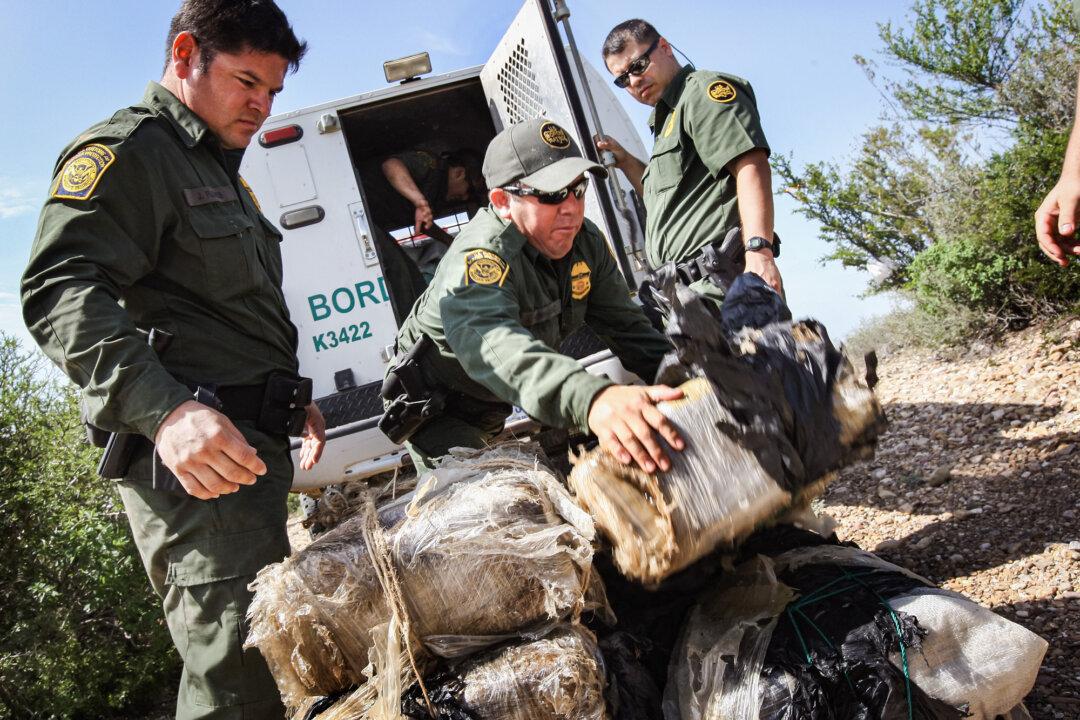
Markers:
551,198
636,67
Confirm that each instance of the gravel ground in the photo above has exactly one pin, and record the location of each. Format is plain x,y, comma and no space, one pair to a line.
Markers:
975,486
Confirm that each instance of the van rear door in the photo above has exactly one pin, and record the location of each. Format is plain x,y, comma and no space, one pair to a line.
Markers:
528,76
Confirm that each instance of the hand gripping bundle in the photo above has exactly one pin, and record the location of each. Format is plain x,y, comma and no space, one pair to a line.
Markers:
770,410
484,549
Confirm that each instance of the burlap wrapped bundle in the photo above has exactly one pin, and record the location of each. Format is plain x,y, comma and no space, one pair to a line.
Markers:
557,677
486,548
768,414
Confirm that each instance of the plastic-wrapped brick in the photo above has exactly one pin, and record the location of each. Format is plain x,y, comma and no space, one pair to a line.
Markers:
485,549
828,631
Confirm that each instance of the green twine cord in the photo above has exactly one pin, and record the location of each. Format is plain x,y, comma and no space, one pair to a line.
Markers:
794,611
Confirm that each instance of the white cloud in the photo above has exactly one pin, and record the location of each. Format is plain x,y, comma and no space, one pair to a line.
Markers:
18,198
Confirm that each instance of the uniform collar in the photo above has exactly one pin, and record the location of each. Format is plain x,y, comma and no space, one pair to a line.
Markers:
512,238
190,127
670,98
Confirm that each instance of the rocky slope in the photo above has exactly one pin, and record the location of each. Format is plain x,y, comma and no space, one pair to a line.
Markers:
976,485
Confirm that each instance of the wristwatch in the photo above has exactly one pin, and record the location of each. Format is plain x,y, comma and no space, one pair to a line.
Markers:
759,243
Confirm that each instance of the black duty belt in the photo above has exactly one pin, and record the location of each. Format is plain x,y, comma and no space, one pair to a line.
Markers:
277,406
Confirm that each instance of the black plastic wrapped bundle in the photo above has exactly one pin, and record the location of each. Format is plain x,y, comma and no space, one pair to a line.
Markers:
771,408
830,632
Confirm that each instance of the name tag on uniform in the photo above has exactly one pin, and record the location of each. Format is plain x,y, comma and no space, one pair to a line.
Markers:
207,195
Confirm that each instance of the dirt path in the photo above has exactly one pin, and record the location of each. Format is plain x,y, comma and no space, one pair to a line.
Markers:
976,485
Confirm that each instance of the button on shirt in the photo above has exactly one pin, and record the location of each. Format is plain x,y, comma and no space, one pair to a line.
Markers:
168,236
703,121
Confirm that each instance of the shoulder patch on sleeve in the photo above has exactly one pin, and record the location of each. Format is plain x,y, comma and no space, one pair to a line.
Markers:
80,174
721,91
484,267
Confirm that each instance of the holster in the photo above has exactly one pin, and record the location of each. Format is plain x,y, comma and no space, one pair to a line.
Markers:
410,400
721,262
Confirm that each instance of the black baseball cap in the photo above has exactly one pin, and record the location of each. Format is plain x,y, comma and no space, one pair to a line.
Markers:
538,153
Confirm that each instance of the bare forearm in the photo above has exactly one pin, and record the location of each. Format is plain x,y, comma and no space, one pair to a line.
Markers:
1071,165
753,187
634,169
631,166
399,178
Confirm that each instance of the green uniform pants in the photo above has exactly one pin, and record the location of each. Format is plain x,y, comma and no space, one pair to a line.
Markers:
438,435
200,556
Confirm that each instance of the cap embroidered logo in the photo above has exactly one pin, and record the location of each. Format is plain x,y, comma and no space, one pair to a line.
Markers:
554,136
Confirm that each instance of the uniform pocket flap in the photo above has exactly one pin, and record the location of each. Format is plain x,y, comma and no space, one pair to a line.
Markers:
665,165
218,221
225,557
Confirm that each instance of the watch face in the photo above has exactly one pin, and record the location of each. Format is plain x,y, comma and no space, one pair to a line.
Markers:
757,243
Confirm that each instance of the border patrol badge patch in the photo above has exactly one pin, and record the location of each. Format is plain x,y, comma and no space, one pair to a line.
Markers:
554,136
484,267
81,173
250,192
721,91
580,280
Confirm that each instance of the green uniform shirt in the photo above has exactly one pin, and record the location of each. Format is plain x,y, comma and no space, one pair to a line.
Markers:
703,121
149,225
497,310
392,210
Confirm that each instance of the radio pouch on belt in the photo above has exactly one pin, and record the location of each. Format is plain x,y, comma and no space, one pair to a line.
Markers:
411,401
284,405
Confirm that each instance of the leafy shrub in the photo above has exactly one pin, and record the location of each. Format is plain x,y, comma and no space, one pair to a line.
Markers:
81,633
945,332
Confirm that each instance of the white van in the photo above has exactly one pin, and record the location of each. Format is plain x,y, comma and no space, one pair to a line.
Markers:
305,169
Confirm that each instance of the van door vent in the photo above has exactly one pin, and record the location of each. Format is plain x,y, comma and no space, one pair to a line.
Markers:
518,86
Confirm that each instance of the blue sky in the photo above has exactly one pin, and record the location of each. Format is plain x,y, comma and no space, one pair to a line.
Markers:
68,64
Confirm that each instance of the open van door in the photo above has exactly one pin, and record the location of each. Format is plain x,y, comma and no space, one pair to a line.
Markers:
530,74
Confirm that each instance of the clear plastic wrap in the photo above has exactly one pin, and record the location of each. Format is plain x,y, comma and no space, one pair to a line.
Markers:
829,631
487,548
769,414
557,677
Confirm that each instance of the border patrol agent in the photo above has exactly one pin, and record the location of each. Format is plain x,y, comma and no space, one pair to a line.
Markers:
709,171
524,274
148,226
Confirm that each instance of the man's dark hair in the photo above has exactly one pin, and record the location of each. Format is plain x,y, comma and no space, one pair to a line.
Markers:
473,164
235,26
634,29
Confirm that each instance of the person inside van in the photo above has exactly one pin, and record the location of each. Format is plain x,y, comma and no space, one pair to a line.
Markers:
412,189
525,273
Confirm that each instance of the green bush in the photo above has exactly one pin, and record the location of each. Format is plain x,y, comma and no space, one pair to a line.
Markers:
982,97
946,332
81,634
961,272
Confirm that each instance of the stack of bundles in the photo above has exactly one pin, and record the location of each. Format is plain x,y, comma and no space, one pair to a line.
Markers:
770,410
483,550
558,677
828,632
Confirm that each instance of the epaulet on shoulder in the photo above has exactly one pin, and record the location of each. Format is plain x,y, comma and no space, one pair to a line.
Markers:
113,132
85,161
717,87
